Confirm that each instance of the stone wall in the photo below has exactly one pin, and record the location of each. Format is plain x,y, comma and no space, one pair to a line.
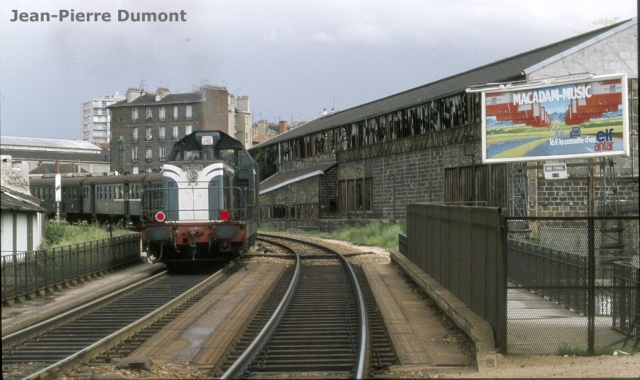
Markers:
13,175
329,191
405,178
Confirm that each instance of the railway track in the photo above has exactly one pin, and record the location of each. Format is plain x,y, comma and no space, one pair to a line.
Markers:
84,333
320,327
325,327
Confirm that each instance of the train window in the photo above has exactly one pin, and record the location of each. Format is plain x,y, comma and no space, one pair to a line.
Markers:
191,155
244,161
227,155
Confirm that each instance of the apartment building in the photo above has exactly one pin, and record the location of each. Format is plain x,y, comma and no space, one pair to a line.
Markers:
96,119
145,125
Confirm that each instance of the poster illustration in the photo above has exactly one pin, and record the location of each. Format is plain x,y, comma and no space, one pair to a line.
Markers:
576,119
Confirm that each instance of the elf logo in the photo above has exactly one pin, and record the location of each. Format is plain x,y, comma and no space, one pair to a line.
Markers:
605,140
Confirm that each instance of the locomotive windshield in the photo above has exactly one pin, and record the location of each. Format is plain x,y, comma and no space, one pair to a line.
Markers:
210,145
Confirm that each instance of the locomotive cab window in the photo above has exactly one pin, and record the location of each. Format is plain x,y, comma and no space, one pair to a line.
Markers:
228,155
191,155
244,160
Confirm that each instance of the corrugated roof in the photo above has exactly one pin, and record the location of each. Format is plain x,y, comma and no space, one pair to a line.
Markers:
33,142
508,69
13,200
97,157
281,179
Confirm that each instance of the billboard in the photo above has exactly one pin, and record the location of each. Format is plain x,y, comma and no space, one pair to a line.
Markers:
575,119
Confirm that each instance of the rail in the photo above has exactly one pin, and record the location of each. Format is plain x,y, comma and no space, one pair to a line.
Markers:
243,362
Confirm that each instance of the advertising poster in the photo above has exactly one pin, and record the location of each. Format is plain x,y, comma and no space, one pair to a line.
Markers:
587,118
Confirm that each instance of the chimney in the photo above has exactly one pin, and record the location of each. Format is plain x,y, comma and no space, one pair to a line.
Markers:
324,112
133,94
282,126
242,103
161,93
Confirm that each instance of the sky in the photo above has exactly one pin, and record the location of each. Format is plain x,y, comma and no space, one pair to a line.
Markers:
292,58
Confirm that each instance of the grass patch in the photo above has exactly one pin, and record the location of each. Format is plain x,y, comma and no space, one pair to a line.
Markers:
522,150
378,234
58,234
568,350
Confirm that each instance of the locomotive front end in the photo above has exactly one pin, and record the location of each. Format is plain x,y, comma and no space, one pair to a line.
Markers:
205,208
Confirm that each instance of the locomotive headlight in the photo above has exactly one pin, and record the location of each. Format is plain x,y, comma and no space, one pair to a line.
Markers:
160,216
224,215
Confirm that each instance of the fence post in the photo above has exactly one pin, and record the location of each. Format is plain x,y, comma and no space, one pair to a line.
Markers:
501,323
591,264
15,274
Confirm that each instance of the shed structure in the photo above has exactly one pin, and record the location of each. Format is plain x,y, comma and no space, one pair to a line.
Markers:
424,145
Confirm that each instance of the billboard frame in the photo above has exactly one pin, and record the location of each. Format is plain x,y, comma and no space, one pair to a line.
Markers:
536,109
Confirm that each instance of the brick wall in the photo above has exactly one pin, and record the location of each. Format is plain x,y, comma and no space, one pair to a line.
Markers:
570,197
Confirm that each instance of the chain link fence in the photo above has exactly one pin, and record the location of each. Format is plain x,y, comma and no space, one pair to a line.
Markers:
573,284
28,274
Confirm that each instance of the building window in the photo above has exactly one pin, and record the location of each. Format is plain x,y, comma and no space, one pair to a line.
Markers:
148,154
162,113
189,112
134,134
175,112
162,136
134,114
134,154
188,129
161,152
149,113
175,133
135,170
148,136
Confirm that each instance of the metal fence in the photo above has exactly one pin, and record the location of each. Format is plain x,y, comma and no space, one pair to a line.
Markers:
28,274
573,284
545,285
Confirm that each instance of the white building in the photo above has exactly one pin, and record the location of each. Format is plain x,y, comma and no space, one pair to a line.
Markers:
21,217
96,118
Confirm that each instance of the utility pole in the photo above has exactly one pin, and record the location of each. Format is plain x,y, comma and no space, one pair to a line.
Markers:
58,190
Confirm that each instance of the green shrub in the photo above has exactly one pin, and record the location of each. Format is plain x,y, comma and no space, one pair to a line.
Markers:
58,234
378,234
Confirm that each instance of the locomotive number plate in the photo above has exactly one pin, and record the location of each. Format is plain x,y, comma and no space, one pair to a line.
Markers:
191,167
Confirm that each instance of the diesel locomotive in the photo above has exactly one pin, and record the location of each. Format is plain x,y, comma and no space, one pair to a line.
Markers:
202,206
